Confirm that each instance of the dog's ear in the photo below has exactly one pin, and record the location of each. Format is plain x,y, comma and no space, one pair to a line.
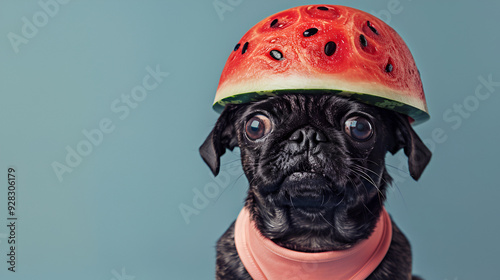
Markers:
222,137
418,154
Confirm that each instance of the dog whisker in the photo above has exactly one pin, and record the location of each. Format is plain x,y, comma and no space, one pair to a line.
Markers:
371,171
291,202
380,194
363,160
365,176
364,205
340,202
393,183
368,209
398,169
230,186
321,215
360,183
400,194
365,168
230,162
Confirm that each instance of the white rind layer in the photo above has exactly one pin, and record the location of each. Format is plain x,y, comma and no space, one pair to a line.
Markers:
318,83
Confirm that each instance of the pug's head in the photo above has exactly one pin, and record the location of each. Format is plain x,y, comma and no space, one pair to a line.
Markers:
315,165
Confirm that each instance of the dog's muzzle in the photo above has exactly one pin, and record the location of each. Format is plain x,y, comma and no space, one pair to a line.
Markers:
309,192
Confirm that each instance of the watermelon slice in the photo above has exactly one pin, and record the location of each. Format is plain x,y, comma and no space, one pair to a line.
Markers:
324,49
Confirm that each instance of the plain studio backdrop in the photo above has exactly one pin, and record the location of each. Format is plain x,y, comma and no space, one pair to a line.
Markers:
105,103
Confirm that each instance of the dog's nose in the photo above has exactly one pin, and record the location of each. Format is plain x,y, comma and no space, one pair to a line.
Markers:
307,137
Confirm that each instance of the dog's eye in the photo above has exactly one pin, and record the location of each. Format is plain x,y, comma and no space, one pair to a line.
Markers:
358,128
257,127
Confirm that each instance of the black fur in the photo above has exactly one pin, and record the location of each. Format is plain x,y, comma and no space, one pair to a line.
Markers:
313,187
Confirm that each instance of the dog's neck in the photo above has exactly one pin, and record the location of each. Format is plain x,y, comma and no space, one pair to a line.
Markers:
342,227
264,259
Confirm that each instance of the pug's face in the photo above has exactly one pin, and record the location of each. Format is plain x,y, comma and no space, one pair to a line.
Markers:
315,165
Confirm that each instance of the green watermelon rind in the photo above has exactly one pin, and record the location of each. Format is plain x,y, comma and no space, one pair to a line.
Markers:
416,114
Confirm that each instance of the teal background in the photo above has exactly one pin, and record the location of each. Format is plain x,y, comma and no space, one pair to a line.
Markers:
116,215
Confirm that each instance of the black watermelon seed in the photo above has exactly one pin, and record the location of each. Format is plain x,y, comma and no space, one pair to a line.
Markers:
372,28
310,32
362,40
323,8
388,68
276,54
273,23
237,47
330,48
244,49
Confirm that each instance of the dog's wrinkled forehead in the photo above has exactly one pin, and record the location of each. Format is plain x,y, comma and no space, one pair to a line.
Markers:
307,107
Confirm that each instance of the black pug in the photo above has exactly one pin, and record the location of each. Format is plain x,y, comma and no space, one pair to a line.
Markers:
317,182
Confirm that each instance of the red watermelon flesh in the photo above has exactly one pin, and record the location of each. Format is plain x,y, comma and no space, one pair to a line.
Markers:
324,49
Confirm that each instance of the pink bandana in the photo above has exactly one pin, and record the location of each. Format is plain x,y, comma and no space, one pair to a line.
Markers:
265,260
